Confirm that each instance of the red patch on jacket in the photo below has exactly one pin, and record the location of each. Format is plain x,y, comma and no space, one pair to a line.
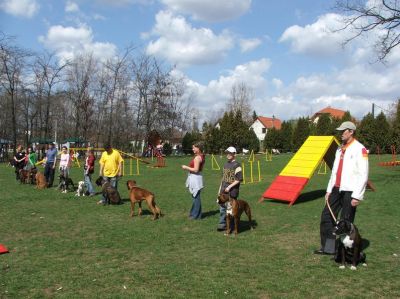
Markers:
365,152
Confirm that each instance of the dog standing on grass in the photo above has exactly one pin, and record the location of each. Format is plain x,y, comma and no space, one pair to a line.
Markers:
137,195
350,245
234,208
65,183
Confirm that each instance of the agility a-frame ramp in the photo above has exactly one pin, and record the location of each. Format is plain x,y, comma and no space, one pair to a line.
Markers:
288,185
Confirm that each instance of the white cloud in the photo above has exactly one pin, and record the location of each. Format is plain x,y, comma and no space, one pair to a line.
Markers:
68,42
250,44
215,95
71,7
184,45
319,38
210,10
20,8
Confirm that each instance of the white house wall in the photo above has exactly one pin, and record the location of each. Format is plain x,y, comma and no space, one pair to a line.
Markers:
257,127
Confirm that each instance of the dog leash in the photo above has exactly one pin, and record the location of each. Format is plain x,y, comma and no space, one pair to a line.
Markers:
330,210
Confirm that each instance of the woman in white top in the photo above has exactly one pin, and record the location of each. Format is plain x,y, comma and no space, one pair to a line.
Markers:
65,162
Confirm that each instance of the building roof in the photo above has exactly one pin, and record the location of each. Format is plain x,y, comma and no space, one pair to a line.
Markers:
337,113
270,122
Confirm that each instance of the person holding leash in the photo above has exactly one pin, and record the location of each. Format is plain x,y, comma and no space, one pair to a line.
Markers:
346,186
230,183
110,168
19,161
194,180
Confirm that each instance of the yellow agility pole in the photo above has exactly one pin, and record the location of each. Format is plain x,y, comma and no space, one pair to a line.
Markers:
251,158
243,173
214,163
268,155
251,171
259,172
320,166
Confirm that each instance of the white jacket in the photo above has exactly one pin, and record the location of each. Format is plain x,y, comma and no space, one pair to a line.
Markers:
354,172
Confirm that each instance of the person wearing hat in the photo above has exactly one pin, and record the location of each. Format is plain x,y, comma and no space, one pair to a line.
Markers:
346,185
230,183
110,167
50,164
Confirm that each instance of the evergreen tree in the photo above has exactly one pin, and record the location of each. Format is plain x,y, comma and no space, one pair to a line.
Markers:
347,117
273,139
395,138
323,127
382,133
254,117
301,132
366,131
286,136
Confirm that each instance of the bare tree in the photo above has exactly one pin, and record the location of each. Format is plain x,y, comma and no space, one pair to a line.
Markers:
241,97
48,73
80,77
380,16
13,63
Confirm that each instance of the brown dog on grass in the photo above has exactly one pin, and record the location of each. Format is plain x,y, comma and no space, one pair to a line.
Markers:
40,181
234,208
137,195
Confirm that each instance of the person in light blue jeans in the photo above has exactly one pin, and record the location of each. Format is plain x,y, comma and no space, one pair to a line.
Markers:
194,181
88,170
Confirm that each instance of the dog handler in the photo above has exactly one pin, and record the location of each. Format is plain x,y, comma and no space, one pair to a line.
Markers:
194,180
230,183
346,186
110,167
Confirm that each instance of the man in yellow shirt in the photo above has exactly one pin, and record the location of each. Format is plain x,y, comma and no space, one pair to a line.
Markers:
110,167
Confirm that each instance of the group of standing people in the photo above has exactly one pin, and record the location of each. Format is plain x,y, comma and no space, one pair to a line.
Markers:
29,161
230,182
24,160
345,190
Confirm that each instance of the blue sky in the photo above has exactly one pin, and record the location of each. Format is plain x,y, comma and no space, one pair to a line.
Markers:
284,50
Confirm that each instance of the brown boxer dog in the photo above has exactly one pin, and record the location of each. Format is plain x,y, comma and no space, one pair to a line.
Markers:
137,195
24,176
235,208
40,181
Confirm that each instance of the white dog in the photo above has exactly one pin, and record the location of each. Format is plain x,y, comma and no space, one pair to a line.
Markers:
81,189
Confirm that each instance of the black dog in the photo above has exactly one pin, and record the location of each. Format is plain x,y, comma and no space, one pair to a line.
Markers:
65,183
109,192
350,245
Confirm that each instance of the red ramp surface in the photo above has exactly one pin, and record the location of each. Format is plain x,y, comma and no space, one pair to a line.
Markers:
3,249
286,188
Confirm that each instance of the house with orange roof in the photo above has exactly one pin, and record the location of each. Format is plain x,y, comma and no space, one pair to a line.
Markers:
262,124
333,113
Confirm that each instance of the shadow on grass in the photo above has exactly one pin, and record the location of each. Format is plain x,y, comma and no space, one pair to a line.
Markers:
209,213
364,244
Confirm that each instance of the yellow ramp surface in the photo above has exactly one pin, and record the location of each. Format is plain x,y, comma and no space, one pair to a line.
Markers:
306,160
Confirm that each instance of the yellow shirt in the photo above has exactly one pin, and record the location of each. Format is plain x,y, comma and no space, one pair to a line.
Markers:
111,163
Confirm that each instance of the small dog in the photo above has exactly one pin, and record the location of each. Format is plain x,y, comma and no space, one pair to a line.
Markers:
81,189
137,195
349,246
109,192
40,181
24,176
65,183
235,208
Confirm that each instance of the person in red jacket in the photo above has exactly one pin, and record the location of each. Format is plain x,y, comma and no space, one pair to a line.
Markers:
88,170
346,186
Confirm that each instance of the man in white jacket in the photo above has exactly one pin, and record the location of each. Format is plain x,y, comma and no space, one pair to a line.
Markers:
346,186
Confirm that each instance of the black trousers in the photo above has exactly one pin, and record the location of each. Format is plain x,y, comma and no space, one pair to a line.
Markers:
339,202
49,174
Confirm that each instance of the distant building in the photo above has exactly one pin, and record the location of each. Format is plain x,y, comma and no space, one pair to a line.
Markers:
333,113
262,124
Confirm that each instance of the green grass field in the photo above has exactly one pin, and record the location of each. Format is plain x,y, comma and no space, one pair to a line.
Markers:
68,247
